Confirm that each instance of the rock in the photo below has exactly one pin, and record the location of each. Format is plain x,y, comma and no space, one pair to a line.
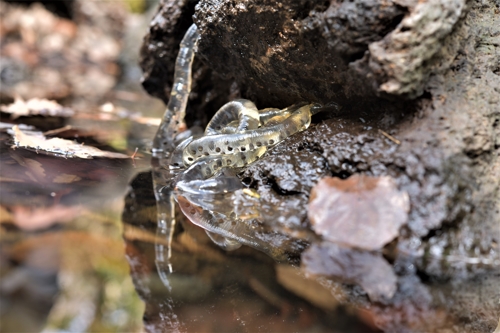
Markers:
446,153
418,86
344,50
296,173
157,59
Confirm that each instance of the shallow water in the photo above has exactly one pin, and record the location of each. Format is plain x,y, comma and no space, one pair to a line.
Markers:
78,254
62,259
76,238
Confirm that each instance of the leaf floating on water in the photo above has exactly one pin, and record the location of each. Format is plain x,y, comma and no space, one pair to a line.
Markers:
64,148
361,211
369,270
35,107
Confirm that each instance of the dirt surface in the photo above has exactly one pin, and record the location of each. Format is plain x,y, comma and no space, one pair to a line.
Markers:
419,86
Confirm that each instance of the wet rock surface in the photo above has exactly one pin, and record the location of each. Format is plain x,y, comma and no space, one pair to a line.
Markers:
157,59
210,282
275,50
420,103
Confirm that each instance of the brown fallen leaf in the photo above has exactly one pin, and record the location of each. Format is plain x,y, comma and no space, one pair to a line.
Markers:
35,168
369,270
59,147
35,107
361,211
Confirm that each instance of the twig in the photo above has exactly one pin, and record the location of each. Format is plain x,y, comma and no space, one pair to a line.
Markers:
390,137
58,130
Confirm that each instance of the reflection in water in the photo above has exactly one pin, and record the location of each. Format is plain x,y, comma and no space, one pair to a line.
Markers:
61,251
201,168
212,290
216,291
164,145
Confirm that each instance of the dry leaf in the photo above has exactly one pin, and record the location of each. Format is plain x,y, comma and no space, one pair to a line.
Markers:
35,107
369,270
361,211
65,148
